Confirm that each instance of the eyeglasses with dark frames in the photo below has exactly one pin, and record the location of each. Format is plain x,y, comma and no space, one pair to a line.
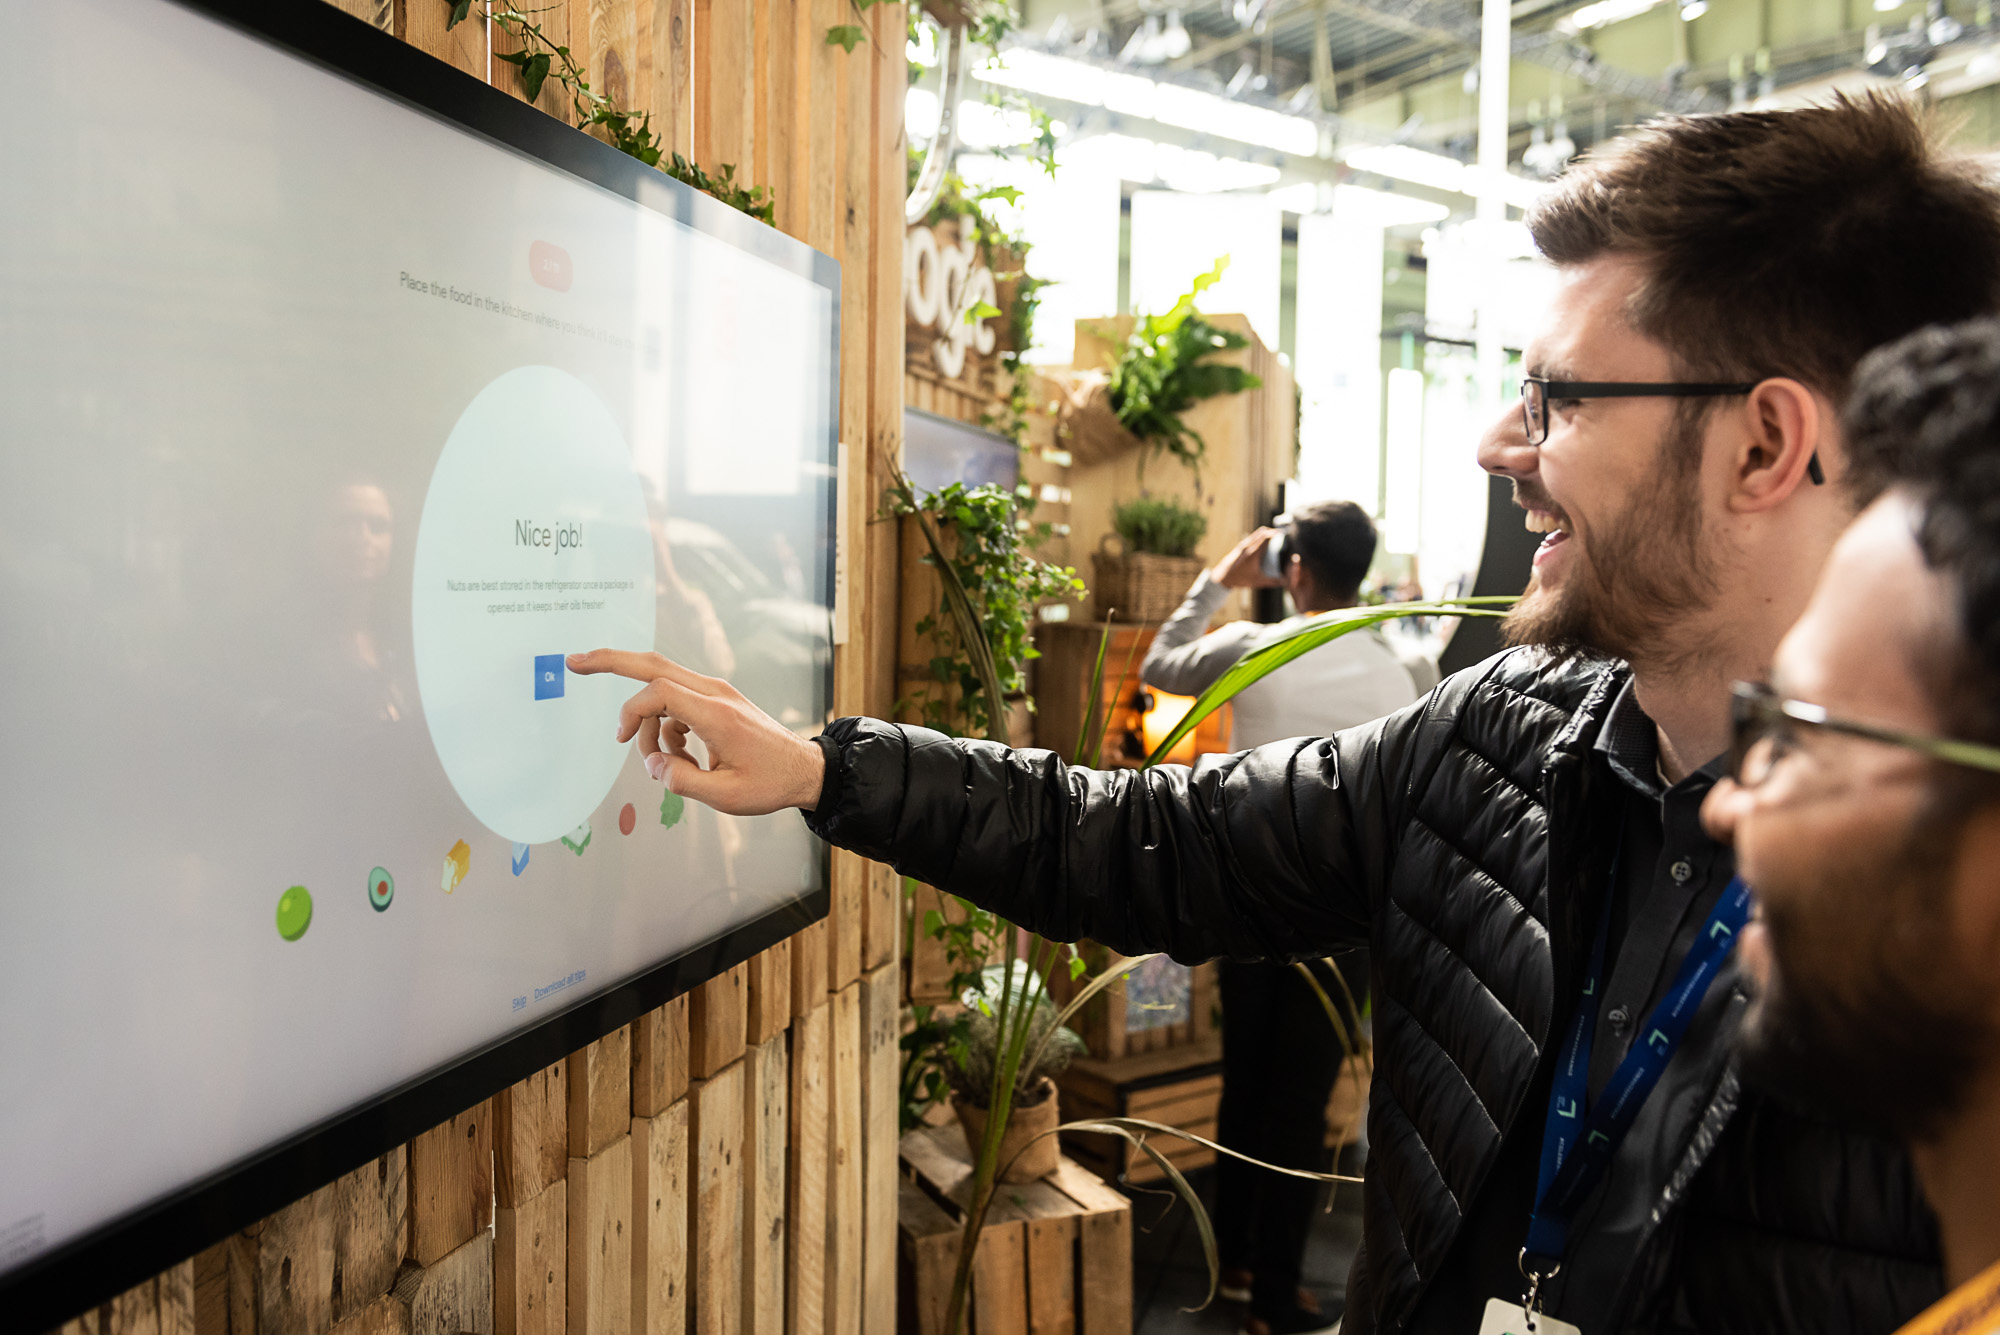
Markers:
1537,392
1764,726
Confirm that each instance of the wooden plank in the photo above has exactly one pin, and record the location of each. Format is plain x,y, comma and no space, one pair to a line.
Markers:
767,1088
716,1023
844,1258
843,919
724,89
387,1315
660,1221
881,1019
929,1240
219,1309
422,25
368,1212
599,1246
715,1202
613,49
1104,1265
878,175
1000,1274
805,1260
670,72
823,64
768,988
450,1185
1053,1227
531,1135
660,1058
882,905
531,1264
809,960
781,128
454,1296
161,1305
600,1093
375,13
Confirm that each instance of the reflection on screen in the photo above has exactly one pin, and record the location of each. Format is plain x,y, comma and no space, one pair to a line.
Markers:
326,430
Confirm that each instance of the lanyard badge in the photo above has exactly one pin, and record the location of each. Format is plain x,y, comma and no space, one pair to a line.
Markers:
1581,1136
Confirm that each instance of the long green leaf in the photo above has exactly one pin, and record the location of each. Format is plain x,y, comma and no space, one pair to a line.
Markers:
1327,626
1094,697
1103,980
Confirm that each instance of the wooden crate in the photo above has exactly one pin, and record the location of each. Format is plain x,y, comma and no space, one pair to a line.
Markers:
1105,1022
1055,1257
1181,1087
1062,680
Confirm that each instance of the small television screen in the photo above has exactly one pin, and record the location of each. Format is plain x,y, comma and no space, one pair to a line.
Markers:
341,397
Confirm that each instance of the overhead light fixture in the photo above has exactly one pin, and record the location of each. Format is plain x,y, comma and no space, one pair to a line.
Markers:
1693,9
1405,163
1380,208
1064,79
1888,6
1608,11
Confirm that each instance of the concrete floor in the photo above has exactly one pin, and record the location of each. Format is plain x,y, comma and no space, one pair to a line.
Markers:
1168,1272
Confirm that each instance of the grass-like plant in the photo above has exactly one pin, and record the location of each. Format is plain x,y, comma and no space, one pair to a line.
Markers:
1159,525
1163,370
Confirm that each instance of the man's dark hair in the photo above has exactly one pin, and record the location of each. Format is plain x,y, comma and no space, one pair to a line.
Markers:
1784,243
1925,416
1335,541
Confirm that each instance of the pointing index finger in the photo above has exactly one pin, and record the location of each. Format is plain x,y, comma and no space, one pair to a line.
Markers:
638,665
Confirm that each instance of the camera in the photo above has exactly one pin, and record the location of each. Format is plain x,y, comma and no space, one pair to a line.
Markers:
1278,551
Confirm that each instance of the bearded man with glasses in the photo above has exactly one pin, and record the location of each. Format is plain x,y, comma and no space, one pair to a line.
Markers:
1864,805
1556,1120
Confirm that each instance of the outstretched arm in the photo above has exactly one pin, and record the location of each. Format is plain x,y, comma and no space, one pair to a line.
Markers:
1273,853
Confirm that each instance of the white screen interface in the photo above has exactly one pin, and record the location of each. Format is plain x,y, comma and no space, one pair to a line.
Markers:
326,429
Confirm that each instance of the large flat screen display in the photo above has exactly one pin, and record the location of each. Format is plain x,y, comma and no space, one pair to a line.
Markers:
340,397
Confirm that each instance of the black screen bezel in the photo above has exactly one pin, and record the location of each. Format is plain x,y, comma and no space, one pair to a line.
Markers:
86,1271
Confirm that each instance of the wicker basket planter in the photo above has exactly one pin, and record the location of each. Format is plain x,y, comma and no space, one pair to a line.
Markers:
1142,588
1085,424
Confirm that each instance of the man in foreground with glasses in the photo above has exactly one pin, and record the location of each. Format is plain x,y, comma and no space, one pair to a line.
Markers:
1555,1121
1864,806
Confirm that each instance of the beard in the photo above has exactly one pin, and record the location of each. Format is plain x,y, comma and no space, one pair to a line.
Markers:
1644,570
1865,1016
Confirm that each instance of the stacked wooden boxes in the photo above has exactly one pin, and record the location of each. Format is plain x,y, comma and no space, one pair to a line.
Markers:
1055,1256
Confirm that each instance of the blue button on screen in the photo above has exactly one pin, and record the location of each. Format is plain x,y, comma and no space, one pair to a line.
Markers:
549,671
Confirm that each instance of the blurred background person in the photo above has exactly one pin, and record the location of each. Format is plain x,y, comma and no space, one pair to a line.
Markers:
1864,806
1279,1054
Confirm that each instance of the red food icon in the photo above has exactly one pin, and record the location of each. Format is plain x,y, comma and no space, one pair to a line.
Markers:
627,819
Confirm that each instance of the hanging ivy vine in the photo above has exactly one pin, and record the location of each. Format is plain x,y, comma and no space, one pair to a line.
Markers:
630,132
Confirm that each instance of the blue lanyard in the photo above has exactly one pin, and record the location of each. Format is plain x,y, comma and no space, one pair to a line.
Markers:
1577,1144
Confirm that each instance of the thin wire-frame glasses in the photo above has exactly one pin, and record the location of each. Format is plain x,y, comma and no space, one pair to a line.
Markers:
1764,725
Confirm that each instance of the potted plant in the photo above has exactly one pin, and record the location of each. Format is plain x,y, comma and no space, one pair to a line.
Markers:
1027,1149
1147,577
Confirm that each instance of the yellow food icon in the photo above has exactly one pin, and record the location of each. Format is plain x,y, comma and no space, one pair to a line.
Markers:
456,864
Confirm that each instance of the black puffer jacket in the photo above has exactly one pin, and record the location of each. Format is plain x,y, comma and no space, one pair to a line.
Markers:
1453,838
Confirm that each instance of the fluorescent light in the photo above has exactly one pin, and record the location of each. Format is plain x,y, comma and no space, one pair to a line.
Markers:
1412,164
920,113
1379,208
1193,172
1300,198
1609,11
1192,109
1693,9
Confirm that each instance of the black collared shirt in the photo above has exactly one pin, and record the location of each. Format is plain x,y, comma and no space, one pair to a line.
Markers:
1667,878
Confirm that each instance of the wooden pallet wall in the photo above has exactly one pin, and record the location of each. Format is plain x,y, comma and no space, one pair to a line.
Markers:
725,1165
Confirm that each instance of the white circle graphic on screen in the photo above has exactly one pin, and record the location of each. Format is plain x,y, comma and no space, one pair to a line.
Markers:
534,543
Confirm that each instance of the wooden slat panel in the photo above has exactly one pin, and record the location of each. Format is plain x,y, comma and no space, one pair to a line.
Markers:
375,13
531,1264
823,64
768,985
716,1023
421,24
387,1315
1104,1266
715,1202
531,1135
660,1058
451,1184
600,1241
805,1261
1000,1274
614,61
767,1088
844,1258
660,1222
724,86
843,919
453,1296
809,959
782,132
599,1078
881,1005
670,73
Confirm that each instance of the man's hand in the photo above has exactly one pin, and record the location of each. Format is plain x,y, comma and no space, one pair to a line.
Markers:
1243,568
756,765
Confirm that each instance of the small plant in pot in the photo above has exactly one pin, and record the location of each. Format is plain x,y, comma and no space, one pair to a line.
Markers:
1027,1149
1149,576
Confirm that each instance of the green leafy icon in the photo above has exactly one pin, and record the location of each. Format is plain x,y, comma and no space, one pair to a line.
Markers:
578,839
672,808
295,912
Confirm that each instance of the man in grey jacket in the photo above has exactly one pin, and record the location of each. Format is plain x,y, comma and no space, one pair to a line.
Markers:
1279,1055
1556,1119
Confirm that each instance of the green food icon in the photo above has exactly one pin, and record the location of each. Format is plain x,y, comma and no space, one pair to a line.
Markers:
671,807
295,912
578,839
381,888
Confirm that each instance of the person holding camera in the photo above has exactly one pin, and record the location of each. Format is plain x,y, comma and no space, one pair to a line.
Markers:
1279,1054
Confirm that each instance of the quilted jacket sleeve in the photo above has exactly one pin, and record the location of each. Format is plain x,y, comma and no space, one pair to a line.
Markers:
1271,854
